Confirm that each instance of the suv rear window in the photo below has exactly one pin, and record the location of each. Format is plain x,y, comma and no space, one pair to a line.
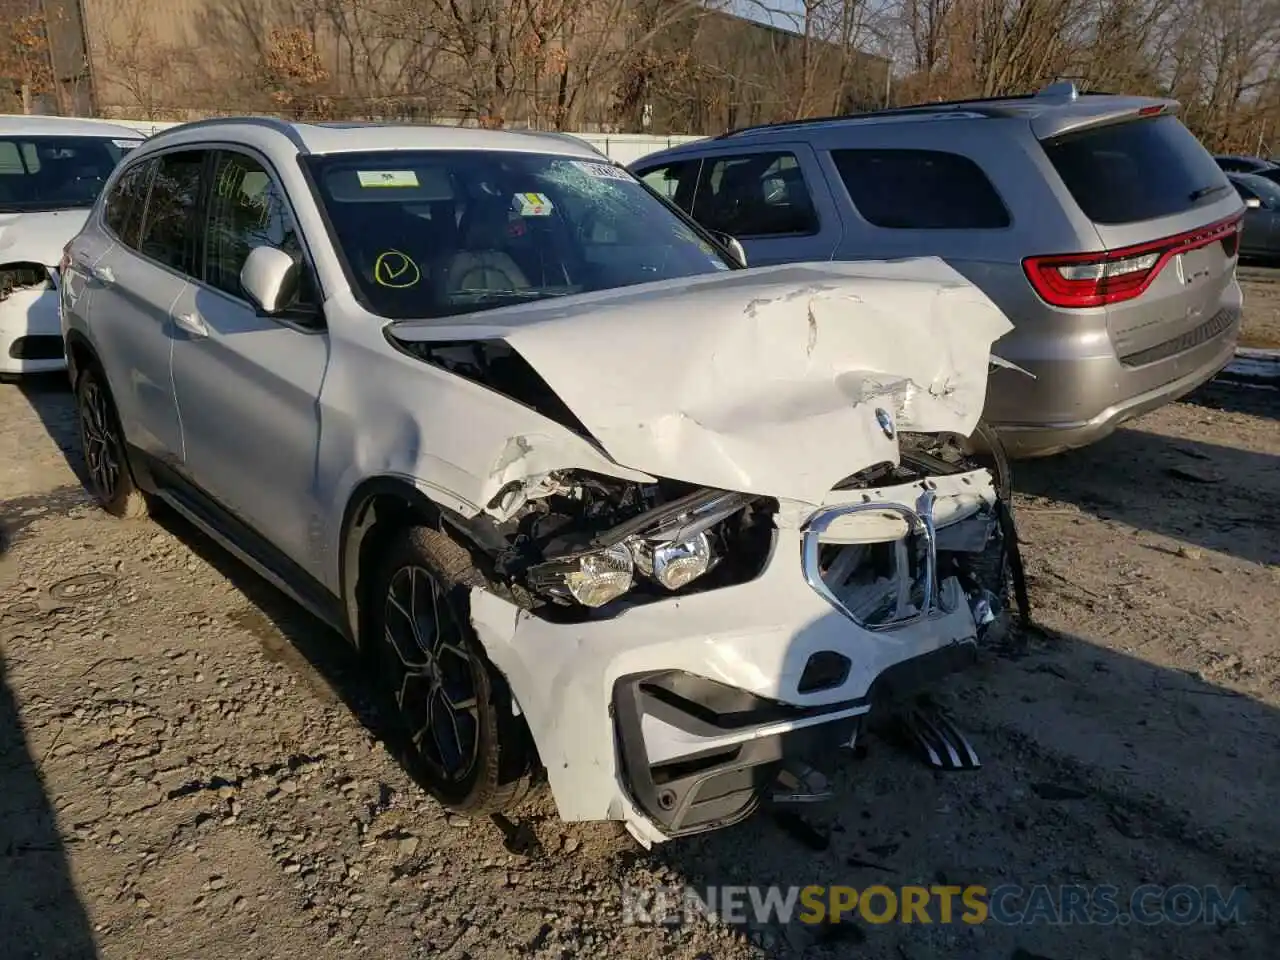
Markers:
920,190
1136,170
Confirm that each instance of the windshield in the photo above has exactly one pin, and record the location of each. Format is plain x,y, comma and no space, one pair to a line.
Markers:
436,234
40,173
1265,190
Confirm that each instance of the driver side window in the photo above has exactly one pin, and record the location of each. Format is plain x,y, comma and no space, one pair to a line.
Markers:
247,209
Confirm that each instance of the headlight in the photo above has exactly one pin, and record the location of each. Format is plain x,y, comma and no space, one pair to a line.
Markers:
675,564
601,576
580,542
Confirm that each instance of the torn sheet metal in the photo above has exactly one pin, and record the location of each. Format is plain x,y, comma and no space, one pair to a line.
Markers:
757,638
774,381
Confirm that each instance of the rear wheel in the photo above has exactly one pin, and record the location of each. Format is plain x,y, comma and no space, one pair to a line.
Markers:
107,475
463,741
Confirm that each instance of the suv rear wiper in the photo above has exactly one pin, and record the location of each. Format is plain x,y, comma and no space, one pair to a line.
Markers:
1207,191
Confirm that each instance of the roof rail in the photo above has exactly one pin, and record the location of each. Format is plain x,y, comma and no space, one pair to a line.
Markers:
940,106
274,123
569,137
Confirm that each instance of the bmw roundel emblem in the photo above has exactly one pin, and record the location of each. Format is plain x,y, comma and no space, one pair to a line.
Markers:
885,421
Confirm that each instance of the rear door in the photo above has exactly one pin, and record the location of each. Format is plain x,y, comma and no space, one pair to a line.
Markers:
1160,203
133,286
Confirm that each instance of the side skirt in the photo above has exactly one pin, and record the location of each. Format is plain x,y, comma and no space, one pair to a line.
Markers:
237,538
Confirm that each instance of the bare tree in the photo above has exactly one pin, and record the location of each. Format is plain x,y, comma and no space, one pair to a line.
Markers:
140,74
24,56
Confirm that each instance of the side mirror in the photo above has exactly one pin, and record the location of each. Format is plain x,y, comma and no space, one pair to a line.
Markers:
270,279
734,247
1253,203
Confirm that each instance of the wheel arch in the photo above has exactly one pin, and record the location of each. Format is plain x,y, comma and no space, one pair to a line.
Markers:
376,509
80,353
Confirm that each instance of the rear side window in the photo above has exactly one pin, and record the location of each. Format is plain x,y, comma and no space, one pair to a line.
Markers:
759,194
170,234
1137,170
122,211
920,190
1251,185
675,181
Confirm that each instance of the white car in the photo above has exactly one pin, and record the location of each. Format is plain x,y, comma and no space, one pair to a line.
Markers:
51,171
598,504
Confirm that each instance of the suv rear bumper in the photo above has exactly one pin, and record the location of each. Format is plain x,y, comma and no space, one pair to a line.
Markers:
1117,391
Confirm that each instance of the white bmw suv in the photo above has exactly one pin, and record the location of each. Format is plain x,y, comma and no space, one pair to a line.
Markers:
600,505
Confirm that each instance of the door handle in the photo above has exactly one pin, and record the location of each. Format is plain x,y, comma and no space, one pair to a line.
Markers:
104,275
192,324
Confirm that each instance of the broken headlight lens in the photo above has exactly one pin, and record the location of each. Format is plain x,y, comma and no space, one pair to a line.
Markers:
600,577
674,564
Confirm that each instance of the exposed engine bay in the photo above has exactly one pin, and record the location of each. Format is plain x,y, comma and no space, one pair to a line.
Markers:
23,276
574,545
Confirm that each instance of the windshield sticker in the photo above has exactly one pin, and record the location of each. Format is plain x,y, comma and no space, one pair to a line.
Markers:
602,171
126,144
396,270
532,204
387,178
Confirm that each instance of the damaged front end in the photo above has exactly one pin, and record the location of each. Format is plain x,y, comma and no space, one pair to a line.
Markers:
30,338
690,606
581,546
916,562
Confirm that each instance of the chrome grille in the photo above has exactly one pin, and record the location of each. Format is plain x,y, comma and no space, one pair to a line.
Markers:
879,584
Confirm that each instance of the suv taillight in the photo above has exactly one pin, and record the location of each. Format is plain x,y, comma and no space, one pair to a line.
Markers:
1110,276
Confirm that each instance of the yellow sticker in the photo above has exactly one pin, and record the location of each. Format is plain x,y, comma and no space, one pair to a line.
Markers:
396,270
533,205
387,178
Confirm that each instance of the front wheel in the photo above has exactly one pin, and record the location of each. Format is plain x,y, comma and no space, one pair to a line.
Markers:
464,744
107,475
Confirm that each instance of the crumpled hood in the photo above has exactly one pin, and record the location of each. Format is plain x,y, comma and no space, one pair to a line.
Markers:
38,237
771,380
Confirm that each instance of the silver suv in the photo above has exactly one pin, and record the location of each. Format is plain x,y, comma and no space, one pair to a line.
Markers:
1097,223
593,500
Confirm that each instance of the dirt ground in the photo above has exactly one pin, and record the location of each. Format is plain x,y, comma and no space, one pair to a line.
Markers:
1262,287
189,765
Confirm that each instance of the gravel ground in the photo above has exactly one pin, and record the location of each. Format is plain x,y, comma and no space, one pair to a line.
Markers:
191,766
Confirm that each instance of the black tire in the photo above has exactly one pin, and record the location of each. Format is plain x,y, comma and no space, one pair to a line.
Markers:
107,474
461,740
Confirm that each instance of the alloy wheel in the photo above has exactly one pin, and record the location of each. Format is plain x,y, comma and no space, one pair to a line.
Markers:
436,682
100,440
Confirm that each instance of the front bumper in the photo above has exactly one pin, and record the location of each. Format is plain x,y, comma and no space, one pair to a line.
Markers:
674,717
30,332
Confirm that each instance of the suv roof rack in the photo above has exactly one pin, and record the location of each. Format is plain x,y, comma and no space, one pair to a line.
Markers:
1058,90
568,138
274,123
